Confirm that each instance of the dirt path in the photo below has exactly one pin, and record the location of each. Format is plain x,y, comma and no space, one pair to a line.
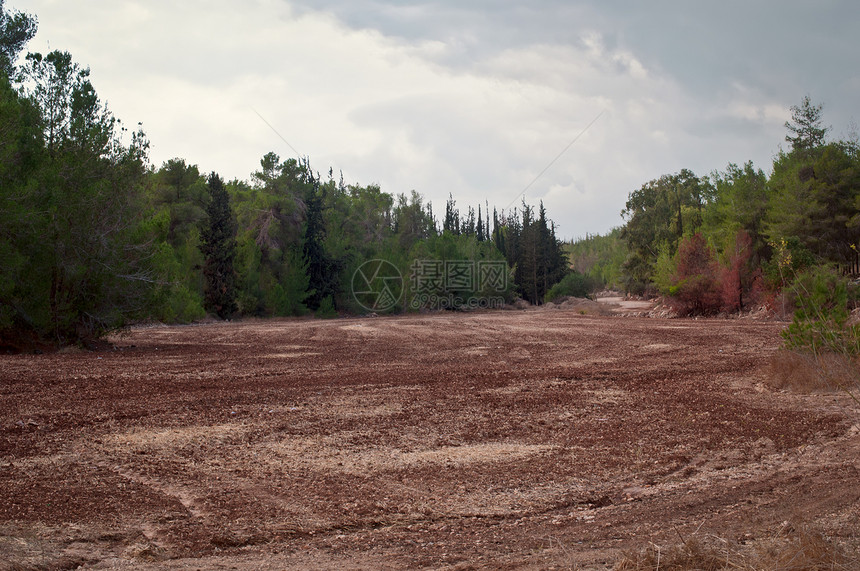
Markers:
622,304
510,439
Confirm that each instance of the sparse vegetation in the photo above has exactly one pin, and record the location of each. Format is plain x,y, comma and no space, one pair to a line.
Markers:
808,373
821,346
791,549
820,322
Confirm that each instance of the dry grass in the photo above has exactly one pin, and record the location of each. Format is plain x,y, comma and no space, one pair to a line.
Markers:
790,550
808,373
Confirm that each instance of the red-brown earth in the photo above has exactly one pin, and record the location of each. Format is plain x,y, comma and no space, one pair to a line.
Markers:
513,439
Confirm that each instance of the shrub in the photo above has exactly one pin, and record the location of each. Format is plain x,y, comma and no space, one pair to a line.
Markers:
573,284
695,288
790,550
789,259
808,373
826,345
820,321
326,309
665,269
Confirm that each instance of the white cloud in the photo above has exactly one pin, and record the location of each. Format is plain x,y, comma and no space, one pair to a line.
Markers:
468,98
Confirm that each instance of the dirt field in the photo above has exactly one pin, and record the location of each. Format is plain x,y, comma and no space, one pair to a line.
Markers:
518,439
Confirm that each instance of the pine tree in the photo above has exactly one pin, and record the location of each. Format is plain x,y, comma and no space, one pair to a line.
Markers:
16,29
452,217
806,131
219,249
81,226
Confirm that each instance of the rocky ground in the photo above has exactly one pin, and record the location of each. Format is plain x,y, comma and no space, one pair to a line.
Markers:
514,439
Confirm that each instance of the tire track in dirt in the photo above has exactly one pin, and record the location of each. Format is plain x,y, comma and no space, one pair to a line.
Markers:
508,438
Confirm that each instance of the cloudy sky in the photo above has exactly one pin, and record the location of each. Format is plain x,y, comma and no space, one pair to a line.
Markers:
470,97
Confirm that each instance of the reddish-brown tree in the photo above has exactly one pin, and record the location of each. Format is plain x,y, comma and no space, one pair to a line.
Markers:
696,286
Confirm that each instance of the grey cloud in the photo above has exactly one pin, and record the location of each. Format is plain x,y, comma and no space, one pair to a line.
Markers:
473,97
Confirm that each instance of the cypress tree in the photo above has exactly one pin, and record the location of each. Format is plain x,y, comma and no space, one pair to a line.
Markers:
322,269
452,217
219,249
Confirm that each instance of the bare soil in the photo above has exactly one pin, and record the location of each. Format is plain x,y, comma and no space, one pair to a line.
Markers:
519,439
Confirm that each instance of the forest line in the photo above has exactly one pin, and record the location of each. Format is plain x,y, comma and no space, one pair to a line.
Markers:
94,238
737,238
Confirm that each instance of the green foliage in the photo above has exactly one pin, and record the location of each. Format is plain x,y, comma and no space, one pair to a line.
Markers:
452,217
177,300
533,251
789,259
427,260
292,288
658,215
326,309
665,271
815,197
78,246
92,238
820,321
600,257
741,201
20,154
805,129
281,239
218,244
805,213
177,199
322,268
412,221
16,29
573,284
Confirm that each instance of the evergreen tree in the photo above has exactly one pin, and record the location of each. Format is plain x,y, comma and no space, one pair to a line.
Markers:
413,221
540,261
599,257
529,262
16,29
815,199
219,249
556,260
806,131
498,234
658,215
91,251
487,221
177,198
272,220
452,217
23,272
468,228
741,198
322,269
